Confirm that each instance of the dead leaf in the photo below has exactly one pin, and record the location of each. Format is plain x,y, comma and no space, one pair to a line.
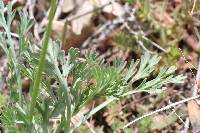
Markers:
194,115
80,22
161,121
74,40
68,5
58,25
85,6
115,8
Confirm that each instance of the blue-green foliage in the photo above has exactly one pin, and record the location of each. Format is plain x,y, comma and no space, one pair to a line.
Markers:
76,79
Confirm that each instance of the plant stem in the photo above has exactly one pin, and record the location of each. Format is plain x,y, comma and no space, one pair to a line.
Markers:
69,113
64,84
13,58
64,31
36,85
102,105
172,105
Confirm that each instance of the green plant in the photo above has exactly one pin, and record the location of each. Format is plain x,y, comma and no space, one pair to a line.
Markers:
170,25
77,81
131,2
36,84
7,45
125,40
145,125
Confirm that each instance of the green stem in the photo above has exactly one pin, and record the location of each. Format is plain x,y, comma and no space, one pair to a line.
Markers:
63,39
102,105
14,61
69,113
36,85
64,85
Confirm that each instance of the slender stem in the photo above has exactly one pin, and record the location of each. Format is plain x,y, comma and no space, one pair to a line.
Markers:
12,56
65,87
13,59
36,85
102,105
192,11
162,109
68,102
64,31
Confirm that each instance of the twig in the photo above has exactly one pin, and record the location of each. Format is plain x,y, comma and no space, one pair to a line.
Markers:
106,28
89,126
58,10
88,12
125,25
179,117
192,11
161,109
144,48
186,126
13,34
145,38
74,17
155,44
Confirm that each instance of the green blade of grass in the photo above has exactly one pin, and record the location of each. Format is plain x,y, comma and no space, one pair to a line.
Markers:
36,84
